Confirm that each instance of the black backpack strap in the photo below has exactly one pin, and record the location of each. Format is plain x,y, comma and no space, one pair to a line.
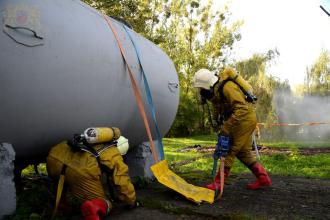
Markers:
109,174
104,169
96,153
248,97
220,90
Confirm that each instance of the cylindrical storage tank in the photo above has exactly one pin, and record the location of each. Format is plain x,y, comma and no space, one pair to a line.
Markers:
61,72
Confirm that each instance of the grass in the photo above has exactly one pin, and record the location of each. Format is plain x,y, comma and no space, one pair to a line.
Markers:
315,166
320,144
294,164
172,144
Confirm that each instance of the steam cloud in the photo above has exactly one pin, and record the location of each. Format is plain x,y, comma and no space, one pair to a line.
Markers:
292,109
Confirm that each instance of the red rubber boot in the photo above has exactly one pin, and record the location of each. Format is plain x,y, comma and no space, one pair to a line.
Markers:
216,184
262,177
94,209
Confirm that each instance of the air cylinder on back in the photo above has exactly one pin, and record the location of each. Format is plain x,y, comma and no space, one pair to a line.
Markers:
61,72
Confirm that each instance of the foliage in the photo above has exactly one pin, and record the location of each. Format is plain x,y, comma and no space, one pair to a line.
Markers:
34,201
186,122
192,34
41,168
264,86
140,14
195,37
317,80
307,104
254,71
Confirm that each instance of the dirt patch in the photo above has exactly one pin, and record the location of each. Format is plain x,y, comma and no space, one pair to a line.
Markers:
288,198
264,150
301,151
208,152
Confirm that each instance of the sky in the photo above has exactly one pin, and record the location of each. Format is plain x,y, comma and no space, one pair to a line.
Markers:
299,29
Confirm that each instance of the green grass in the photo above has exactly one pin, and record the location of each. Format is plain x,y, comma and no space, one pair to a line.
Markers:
175,157
314,166
319,144
210,140
317,166
173,144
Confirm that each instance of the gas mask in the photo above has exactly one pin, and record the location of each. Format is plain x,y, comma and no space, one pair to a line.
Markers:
206,94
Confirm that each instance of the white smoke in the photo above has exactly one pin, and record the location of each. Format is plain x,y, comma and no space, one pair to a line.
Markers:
300,110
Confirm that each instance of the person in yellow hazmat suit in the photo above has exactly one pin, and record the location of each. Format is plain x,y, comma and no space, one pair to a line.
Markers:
89,161
233,101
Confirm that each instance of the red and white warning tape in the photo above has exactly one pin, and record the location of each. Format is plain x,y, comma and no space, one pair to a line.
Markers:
291,124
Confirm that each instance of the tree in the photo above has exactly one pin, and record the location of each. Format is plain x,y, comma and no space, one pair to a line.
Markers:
141,15
264,86
194,37
191,34
317,80
254,71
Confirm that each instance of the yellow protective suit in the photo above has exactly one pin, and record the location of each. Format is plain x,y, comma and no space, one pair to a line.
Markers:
83,175
240,121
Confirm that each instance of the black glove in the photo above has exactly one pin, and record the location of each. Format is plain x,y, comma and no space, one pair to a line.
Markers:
134,205
220,120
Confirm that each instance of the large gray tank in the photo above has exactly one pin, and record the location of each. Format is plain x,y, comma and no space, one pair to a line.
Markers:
61,71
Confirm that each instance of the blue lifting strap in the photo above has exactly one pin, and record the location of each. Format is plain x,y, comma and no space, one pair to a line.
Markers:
148,94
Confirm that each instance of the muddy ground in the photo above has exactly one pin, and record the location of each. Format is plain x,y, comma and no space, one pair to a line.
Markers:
288,198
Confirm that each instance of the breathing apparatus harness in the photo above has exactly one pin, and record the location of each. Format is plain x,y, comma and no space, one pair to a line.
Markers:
79,143
249,97
208,94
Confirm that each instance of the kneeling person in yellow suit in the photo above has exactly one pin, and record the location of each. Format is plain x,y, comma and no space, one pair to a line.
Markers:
83,164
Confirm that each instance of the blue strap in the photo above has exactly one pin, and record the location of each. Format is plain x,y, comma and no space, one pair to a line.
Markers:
148,95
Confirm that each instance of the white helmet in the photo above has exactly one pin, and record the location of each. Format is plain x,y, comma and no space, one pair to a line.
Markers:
122,145
204,78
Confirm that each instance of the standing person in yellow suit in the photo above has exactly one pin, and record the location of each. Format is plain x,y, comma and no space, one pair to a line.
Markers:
84,162
232,99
